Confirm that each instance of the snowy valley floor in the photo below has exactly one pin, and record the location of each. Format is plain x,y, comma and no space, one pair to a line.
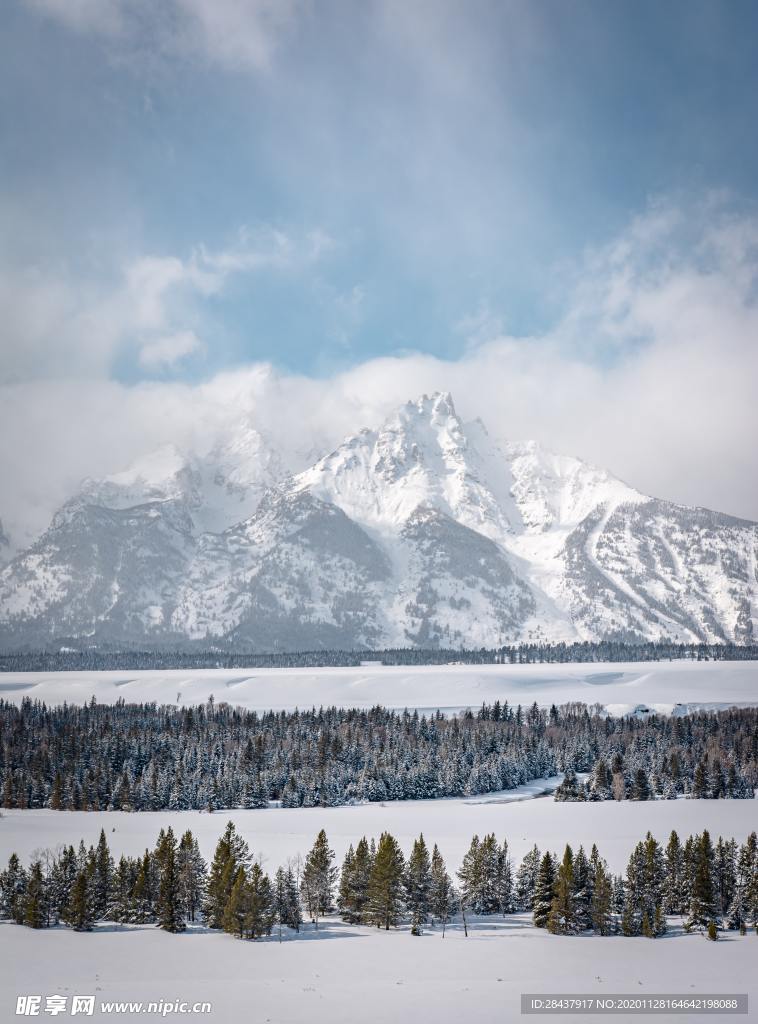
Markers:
343,974
278,833
618,686
350,974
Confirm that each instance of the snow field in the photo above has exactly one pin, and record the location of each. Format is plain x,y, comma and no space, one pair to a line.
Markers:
620,687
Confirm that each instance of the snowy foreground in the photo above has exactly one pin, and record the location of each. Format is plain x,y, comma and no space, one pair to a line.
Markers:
620,687
343,974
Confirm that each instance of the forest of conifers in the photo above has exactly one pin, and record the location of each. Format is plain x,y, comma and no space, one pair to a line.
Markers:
75,658
712,886
149,757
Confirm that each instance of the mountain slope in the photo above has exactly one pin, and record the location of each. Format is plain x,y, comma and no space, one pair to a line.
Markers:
422,532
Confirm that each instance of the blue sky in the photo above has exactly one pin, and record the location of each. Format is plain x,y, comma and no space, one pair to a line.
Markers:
384,196
457,157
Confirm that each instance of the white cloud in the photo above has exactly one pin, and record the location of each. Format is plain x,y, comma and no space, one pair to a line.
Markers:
58,323
238,35
669,405
166,351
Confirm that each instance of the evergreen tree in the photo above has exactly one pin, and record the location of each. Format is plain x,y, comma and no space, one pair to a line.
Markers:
418,885
385,890
169,906
543,891
102,878
319,876
674,899
79,913
505,895
582,890
601,908
12,890
35,898
441,892
702,909
237,908
192,876
286,901
231,854
562,919
260,903
354,881
526,879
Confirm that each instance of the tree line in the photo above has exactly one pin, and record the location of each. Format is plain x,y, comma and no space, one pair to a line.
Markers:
712,887
77,658
149,757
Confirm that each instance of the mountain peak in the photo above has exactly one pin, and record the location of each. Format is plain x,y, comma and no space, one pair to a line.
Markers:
436,407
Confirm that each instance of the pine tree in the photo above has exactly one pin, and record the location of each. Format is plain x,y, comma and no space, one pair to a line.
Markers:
582,890
260,907
102,878
417,885
505,896
602,899
192,876
35,899
441,892
231,854
702,909
169,906
673,893
385,890
237,907
286,901
562,918
738,914
13,883
144,894
526,879
543,891
354,880
319,876
79,913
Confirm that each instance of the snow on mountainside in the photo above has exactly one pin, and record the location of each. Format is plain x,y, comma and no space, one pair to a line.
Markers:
422,532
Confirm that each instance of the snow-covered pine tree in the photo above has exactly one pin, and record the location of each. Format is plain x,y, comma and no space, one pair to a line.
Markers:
102,877
286,906
13,882
526,879
703,907
601,907
192,875
319,876
35,898
169,905
418,885
442,895
582,890
260,903
505,880
543,891
674,896
79,913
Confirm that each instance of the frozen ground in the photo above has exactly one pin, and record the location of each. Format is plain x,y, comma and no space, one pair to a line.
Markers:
343,974
620,687
279,833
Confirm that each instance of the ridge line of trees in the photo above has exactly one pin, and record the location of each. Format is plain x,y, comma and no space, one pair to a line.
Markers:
71,655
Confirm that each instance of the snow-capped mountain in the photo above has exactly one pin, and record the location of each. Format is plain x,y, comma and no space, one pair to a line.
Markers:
422,532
